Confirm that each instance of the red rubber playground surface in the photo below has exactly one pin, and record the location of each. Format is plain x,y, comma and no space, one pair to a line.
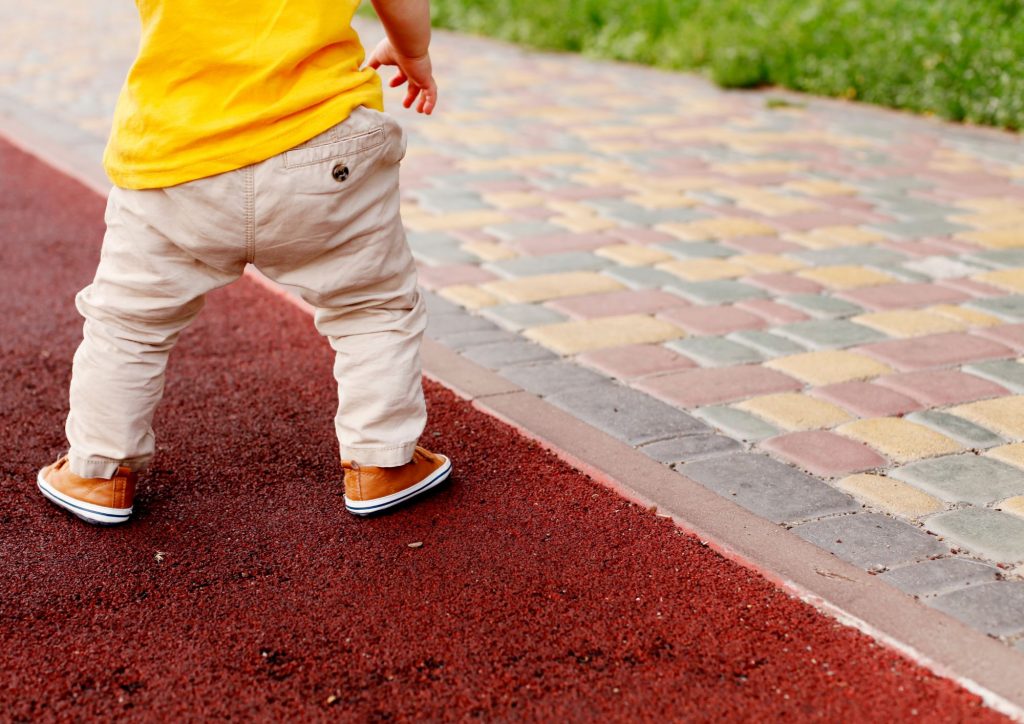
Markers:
241,587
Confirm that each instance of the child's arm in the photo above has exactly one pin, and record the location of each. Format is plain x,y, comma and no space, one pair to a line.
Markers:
407,23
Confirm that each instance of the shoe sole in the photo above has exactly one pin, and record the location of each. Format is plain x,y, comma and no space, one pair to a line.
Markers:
95,514
375,505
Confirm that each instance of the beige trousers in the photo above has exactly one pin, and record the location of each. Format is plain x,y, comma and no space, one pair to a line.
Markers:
321,219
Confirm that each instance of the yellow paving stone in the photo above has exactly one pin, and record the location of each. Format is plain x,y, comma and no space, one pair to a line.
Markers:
828,237
696,270
489,251
910,322
663,200
582,224
571,208
795,411
721,228
551,286
821,187
1009,279
633,254
829,366
767,263
1013,505
846,276
469,296
468,135
892,496
456,220
1002,415
994,204
991,220
994,238
663,184
756,168
523,162
590,334
899,439
972,317
777,205
513,199
1012,454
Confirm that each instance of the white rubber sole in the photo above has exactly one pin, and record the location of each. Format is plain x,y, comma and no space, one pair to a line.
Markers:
375,505
95,514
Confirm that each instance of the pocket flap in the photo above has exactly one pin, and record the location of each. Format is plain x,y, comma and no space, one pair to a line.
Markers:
342,148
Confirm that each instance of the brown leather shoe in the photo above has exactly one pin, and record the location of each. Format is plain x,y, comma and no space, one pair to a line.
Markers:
94,500
370,489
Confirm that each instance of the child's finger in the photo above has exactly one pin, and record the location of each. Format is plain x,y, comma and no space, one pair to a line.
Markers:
398,79
410,95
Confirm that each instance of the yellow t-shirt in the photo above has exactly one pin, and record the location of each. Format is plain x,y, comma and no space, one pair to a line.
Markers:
221,84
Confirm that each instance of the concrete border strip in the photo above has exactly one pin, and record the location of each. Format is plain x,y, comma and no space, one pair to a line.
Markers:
842,591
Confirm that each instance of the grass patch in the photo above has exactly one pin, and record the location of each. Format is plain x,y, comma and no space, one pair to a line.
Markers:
960,59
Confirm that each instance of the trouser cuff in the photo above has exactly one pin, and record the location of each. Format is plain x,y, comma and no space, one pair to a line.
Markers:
97,467
380,457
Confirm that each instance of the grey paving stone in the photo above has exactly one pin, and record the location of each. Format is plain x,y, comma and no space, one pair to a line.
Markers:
910,207
715,292
963,478
964,432
984,532
696,250
821,306
549,378
920,227
829,333
768,488
516,317
736,423
768,344
439,305
624,211
997,258
526,266
626,414
506,354
942,267
462,180
641,277
427,239
440,325
995,608
715,351
1006,372
438,255
870,540
460,341
1010,307
521,229
859,255
691,447
931,578
445,201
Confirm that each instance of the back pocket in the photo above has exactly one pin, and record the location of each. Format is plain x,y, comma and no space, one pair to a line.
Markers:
340,149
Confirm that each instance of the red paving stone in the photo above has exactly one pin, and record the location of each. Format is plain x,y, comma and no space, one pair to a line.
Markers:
641,301
556,243
867,399
936,388
824,453
936,350
774,312
973,288
698,387
903,296
762,245
721,319
640,235
438,277
636,360
1012,335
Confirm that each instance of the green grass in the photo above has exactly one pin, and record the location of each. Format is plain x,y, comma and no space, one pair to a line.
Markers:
960,59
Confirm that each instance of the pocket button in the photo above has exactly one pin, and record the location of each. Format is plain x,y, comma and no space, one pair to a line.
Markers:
340,172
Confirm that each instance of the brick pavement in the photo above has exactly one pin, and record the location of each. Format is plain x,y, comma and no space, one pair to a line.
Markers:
816,310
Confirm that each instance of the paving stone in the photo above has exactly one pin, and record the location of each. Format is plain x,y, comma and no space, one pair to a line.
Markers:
699,387
437,305
997,257
971,317
455,220
1012,454
937,267
444,256
768,344
691,447
1004,415
633,254
829,366
1007,373
870,540
828,333
590,334
919,228
637,360
719,319
772,311
639,301
852,255
469,296
824,453
941,575
963,478
935,350
938,388
827,237
715,292
898,439
512,230
769,488
460,341
845,276
892,496
697,270
784,284
424,240
438,277
1014,505
504,354
909,322
966,433
1009,307
549,378
795,411
442,325
626,414
551,286
516,317
715,351
641,277
983,532
696,250
822,307
527,266
996,608
867,399
904,295
720,228
736,423
993,238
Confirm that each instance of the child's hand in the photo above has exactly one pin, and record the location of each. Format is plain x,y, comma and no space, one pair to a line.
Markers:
415,70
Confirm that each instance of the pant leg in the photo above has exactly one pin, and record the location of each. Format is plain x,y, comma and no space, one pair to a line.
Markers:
154,271
329,227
